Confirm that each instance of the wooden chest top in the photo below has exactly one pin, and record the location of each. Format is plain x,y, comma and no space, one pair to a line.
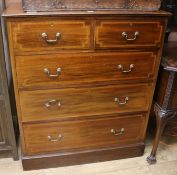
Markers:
51,5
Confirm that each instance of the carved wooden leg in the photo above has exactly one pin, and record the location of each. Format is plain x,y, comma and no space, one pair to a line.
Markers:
161,118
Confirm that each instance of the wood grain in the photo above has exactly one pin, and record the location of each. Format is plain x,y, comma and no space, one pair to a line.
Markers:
82,157
83,102
87,87
109,34
75,34
82,135
79,70
161,86
174,101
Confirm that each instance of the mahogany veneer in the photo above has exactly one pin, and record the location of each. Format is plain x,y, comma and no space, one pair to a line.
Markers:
84,134
78,68
90,101
84,83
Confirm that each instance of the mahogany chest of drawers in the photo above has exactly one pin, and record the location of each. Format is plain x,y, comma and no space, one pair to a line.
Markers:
84,83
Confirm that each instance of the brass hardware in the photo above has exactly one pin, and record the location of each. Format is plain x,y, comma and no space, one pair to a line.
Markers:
121,67
125,35
117,133
55,139
120,102
45,38
46,70
53,103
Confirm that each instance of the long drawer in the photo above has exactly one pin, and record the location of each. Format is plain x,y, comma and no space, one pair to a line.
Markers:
128,34
45,36
84,134
69,103
73,70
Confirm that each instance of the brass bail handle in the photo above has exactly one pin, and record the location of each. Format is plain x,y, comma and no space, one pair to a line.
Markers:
55,139
121,102
53,103
126,37
50,41
121,67
117,133
58,72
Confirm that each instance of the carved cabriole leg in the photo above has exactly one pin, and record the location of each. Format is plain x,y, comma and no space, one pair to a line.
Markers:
162,118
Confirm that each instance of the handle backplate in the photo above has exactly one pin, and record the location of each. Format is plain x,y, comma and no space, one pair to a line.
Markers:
117,133
55,139
126,37
121,67
50,41
53,103
121,102
58,72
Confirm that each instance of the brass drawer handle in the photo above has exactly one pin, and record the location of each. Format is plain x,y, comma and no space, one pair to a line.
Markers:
117,133
121,67
125,36
121,102
55,139
53,103
45,38
46,71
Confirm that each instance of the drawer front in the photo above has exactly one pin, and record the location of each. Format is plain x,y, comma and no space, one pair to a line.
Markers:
128,34
52,35
69,70
68,103
84,134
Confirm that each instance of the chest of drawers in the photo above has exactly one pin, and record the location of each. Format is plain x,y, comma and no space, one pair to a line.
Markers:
84,83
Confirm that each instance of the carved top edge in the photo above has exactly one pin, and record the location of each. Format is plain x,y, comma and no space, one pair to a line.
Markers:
16,10
50,5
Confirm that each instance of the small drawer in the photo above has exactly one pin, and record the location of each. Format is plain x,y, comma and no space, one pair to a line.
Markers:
45,35
76,70
71,103
128,34
83,134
